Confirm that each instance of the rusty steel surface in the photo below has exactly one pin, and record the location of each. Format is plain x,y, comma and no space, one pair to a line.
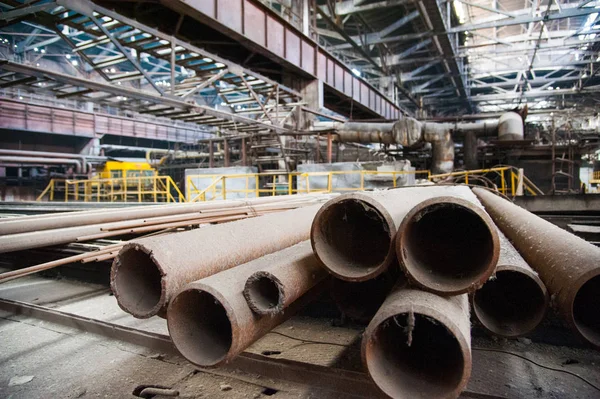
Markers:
448,244
568,265
361,300
149,271
514,301
36,223
353,234
418,345
276,286
210,321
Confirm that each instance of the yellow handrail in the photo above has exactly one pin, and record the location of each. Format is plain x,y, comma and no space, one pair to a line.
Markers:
163,188
212,186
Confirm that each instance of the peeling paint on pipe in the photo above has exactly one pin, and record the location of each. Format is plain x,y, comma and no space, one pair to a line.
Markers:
568,265
210,321
514,301
149,271
354,236
276,286
418,345
448,245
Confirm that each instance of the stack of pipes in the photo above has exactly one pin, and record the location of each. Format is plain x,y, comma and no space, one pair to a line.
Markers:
410,262
39,231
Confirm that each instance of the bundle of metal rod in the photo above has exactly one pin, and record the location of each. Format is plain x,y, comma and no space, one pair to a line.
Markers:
418,345
83,218
105,252
568,265
354,236
64,235
273,288
514,301
360,300
210,321
148,272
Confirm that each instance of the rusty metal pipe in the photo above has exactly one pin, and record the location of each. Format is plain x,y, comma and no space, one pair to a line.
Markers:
353,235
41,161
568,265
273,288
72,219
148,272
448,245
514,301
361,300
210,321
83,160
418,345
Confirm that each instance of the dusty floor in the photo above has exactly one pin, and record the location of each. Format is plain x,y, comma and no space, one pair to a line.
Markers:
48,360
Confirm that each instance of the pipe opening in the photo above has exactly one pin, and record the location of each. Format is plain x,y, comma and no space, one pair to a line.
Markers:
447,247
361,300
353,238
263,294
422,361
199,327
585,310
138,282
510,305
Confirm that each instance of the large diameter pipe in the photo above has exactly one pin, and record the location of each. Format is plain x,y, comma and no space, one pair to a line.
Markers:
418,345
361,300
514,301
276,286
568,265
42,161
72,219
148,272
353,235
364,132
210,321
48,154
448,245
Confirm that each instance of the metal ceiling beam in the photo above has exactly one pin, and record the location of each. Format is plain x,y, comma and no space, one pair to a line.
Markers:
435,21
131,93
395,58
398,24
528,94
533,82
525,19
373,38
348,7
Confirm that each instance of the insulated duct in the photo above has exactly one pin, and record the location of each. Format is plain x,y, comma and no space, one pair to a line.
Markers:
42,161
412,133
46,154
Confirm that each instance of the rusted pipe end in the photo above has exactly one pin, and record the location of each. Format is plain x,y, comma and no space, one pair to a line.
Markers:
448,245
512,303
137,281
352,236
200,326
585,305
264,293
417,353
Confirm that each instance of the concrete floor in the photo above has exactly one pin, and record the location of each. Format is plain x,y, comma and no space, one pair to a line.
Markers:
50,360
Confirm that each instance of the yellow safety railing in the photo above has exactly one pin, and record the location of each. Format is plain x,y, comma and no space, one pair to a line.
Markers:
508,175
122,189
595,177
270,184
506,179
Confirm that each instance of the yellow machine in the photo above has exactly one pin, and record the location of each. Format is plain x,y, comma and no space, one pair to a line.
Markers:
118,170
